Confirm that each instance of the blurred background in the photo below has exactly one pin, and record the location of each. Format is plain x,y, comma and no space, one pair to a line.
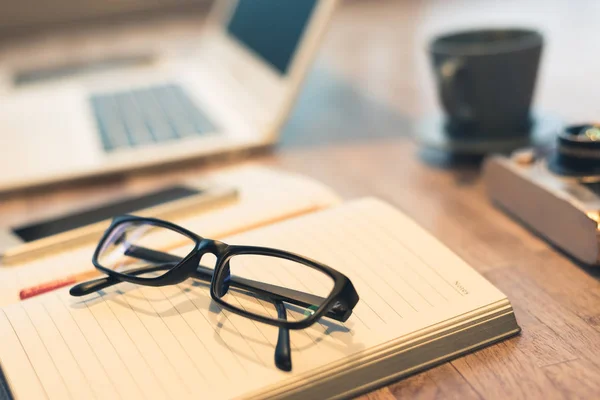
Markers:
373,61
379,45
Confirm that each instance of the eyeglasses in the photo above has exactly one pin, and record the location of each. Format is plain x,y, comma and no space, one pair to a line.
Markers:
271,286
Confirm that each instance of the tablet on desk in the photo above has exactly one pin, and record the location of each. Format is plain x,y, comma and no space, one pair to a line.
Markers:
43,237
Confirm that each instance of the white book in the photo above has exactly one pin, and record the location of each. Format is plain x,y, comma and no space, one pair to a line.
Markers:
419,305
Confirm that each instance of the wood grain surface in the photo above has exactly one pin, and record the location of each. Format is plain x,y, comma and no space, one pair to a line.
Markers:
351,129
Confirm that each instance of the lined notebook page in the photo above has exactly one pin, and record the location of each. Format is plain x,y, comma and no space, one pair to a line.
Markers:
264,196
173,342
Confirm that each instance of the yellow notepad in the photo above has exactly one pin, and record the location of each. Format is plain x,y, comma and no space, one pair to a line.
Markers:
419,305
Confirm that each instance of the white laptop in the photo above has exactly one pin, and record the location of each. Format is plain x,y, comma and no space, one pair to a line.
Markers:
233,93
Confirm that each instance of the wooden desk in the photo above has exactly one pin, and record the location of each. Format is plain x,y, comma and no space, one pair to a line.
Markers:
355,139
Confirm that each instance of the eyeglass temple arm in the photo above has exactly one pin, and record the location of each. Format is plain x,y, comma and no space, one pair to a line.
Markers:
275,292
283,351
94,285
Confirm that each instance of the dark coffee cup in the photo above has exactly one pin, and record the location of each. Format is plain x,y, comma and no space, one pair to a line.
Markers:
486,80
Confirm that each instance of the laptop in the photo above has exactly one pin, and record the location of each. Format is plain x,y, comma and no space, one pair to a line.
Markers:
232,93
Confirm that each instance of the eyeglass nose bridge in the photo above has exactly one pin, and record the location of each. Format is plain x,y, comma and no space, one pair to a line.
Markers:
222,276
214,247
222,280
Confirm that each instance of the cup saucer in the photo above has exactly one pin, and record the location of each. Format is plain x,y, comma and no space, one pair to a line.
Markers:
430,133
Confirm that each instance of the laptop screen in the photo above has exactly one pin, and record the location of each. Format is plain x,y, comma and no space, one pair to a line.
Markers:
271,28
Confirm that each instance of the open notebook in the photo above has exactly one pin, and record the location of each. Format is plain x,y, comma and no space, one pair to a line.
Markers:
419,305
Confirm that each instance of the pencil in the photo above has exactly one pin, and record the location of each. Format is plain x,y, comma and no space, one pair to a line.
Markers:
56,284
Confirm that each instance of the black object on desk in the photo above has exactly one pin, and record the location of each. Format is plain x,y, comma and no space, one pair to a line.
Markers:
485,80
39,238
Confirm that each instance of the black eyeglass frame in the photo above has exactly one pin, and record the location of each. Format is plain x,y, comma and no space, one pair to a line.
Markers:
338,305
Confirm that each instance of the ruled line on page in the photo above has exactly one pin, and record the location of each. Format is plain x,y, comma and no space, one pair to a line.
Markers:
156,357
41,360
373,246
234,341
17,365
55,351
414,254
97,372
203,352
68,357
115,349
208,325
117,370
386,242
174,331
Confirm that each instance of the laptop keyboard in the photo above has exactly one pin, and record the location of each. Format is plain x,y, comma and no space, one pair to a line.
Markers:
132,118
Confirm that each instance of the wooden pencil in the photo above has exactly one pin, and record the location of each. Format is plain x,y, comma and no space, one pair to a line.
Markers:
57,284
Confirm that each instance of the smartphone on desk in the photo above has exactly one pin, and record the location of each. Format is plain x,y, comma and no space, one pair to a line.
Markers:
39,238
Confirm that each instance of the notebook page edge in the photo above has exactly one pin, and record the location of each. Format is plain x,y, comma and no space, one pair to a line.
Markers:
404,343
375,358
